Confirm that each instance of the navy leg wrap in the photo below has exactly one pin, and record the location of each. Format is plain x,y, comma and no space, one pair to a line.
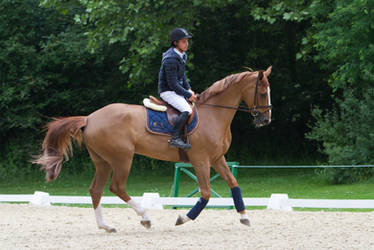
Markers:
195,211
237,197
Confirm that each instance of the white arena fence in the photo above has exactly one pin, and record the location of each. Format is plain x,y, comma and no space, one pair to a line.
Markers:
154,201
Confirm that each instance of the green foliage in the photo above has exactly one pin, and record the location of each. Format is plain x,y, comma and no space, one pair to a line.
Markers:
139,25
347,135
45,69
15,157
340,38
340,35
288,10
345,44
24,80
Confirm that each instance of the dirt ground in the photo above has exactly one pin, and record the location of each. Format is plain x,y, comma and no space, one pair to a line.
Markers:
58,227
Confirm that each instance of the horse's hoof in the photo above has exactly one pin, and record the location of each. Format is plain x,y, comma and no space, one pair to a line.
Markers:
109,229
146,223
245,222
179,221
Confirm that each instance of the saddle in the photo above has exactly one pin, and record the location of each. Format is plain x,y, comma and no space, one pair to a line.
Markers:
172,113
161,118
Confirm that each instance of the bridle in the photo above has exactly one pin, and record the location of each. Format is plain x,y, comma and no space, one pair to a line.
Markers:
253,111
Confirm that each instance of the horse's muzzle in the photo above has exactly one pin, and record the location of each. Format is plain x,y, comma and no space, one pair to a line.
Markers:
261,120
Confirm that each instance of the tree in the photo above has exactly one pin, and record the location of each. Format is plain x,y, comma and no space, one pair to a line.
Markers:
347,136
340,39
345,46
45,71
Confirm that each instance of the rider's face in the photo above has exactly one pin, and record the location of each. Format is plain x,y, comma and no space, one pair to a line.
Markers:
182,45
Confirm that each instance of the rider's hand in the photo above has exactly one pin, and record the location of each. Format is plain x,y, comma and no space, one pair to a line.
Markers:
191,91
193,98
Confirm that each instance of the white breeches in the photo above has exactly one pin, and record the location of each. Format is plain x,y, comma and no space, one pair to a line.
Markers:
177,101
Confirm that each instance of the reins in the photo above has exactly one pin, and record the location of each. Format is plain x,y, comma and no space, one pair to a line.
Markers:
244,108
240,108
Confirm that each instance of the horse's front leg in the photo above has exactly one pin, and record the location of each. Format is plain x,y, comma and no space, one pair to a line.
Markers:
203,177
220,166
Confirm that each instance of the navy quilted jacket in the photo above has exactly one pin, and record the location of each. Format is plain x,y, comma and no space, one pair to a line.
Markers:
172,75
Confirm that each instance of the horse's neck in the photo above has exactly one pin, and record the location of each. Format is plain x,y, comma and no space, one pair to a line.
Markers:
222,116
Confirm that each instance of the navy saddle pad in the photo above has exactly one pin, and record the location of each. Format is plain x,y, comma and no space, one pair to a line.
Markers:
158,123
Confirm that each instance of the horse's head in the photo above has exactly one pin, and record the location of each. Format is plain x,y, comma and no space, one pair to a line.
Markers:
257,97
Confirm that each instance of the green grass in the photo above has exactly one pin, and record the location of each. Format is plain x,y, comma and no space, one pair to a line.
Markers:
297,183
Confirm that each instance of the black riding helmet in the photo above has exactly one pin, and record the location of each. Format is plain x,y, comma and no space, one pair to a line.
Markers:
178,34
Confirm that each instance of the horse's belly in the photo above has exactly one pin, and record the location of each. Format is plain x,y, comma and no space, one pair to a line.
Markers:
156,146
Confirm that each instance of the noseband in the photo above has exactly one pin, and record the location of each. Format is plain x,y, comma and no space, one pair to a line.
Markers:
253,111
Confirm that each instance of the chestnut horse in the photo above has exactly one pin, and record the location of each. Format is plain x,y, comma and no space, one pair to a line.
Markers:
114,133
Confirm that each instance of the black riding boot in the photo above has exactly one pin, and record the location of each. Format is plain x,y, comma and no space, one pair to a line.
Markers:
176,140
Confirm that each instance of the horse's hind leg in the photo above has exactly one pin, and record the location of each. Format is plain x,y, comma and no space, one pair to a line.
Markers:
121,171
97,186
220,166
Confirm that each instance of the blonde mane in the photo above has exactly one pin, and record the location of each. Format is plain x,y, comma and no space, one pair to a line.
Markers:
221,85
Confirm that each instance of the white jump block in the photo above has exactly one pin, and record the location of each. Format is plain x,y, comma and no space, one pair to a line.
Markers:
279,202
40,199
151,201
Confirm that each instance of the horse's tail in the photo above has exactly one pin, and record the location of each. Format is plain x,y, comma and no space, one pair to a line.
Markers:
57,143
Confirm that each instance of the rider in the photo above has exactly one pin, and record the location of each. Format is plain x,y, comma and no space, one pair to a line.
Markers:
173,86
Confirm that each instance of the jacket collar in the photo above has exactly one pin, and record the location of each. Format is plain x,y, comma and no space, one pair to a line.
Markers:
179,53
171,53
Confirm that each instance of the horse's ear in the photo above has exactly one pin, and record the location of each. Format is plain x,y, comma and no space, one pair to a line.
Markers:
260,75
268,71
